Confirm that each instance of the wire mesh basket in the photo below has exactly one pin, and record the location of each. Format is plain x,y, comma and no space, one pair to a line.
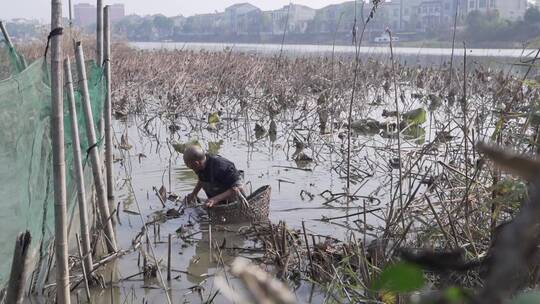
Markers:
256,209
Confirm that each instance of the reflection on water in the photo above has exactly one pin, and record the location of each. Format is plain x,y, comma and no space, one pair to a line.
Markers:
186,179
214,147
416,134
225,241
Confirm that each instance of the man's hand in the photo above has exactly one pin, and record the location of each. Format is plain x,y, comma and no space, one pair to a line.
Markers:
210,203
191,198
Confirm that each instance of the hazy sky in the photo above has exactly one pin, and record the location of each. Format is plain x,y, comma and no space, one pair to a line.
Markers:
40,9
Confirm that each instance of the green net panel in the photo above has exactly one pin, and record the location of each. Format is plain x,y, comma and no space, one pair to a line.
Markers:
26,185
11,62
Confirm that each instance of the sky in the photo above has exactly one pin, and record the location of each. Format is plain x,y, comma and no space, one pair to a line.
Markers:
40,9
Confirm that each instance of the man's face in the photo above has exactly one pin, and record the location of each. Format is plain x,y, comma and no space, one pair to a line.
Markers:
196,165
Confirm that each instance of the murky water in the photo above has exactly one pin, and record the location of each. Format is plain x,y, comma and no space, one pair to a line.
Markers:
300,192
297,195
146,166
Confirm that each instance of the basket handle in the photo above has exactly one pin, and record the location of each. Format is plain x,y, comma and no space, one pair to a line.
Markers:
243,199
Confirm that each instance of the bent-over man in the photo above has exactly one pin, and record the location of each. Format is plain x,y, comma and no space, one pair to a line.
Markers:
218,176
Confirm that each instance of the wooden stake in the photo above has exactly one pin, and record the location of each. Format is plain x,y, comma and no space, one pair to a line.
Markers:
308,250
103,204
169,259
284,239
155,234
78,171
17,278
210,242
108,106
99,33
86,272
112,288
59,165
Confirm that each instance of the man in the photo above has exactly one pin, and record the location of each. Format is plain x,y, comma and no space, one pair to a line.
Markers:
218,176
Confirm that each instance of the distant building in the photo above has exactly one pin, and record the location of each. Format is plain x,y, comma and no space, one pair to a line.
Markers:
116,12
419,15
242,18
201,24
393,14
240,9
85,14
511,9
411,15
436,14
179,21
335,18
427,15
297,18
508,9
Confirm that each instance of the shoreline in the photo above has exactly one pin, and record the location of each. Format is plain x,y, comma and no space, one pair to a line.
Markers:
428,44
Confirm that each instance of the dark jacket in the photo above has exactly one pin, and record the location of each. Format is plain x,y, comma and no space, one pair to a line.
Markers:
218,175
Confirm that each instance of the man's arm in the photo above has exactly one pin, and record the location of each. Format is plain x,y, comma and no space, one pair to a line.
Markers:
195,192
230,194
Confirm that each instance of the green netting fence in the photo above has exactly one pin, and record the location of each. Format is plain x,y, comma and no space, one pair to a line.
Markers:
26,184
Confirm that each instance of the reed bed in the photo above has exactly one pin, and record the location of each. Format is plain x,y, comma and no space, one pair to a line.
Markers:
437,201
453,203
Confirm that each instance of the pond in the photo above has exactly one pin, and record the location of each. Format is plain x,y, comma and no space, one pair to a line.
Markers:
410,190
301,192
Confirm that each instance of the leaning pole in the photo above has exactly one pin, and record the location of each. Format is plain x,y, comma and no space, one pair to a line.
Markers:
108,106
78,171
59,165
101,192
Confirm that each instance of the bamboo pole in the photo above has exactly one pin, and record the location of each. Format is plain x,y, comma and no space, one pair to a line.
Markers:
78,171
99,33
59,166
17,278
9,43
6,35
108,107
70,11
99,55
106,221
